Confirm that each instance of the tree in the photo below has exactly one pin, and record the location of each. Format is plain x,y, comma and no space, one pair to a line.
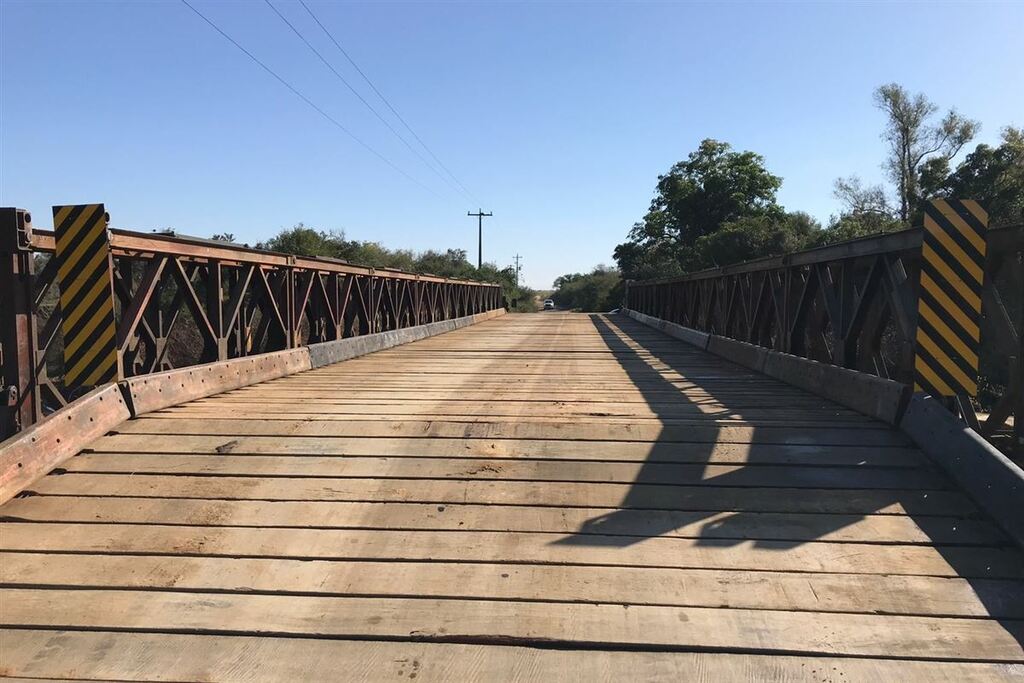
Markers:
449,263
866,211
649,259
850,226
713,186
453,263
305,242
599,290
992,175
756,237
859,199
914,142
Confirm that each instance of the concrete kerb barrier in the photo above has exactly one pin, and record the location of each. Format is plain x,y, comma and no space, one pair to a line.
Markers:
327,353
994,482
741,353
991,479
876,397
31,454
880,398
690,336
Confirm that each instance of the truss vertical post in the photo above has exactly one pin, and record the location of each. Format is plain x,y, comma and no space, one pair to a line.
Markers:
215,311
20,404
1018,369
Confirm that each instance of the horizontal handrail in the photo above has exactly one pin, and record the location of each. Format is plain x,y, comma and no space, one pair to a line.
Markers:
142,244
1002,237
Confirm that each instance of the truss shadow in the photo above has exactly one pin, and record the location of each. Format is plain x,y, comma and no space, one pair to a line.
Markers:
661,499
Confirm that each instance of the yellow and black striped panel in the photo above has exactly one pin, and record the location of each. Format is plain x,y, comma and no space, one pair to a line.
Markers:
949,305
86,295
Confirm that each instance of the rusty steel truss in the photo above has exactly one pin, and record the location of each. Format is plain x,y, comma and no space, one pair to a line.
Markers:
181,301
852,304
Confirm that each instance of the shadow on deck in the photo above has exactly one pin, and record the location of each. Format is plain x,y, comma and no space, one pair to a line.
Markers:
625,527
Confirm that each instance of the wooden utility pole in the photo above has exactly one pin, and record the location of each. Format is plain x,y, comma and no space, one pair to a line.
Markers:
518,257
480,235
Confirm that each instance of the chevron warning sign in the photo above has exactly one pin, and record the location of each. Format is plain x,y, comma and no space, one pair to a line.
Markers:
84,274
949,305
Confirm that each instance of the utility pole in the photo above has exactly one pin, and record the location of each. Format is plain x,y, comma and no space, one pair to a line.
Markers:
480,235
518,257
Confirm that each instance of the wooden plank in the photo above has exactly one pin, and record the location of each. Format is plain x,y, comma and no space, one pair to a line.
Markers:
704,496
566,430
596,419
498,380
794,591
522,469
532,409
356,392
151,656
609,451
513,547
604,521
523,622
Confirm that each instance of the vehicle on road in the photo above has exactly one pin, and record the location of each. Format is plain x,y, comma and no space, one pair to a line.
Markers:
549,304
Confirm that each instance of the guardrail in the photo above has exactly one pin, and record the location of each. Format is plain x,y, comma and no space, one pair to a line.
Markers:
178,301
854,305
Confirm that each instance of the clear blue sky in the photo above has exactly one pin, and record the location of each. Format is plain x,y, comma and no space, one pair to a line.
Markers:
557,116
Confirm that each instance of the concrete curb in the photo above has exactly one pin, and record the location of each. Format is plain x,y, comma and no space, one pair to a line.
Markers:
990,478
327,353
29,455
741,353
690,336
878,397
873,396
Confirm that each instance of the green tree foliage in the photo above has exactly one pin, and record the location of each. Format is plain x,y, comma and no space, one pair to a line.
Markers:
333,244
866,211
756,237
718,206
648,259
917,146
992,175
850,226
859,199
713,186
307,241
598,290
451,262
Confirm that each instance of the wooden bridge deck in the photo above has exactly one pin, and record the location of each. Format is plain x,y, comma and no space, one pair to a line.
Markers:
550,496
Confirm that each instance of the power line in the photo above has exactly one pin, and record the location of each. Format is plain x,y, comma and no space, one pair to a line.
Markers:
361,98
305,99
385,100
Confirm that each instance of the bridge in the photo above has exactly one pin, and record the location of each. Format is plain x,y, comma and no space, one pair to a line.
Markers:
381,475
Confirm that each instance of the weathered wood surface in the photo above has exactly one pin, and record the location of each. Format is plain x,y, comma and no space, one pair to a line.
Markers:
438,508
170,657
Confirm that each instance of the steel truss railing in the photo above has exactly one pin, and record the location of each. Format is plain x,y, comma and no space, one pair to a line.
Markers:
224,299
852,304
